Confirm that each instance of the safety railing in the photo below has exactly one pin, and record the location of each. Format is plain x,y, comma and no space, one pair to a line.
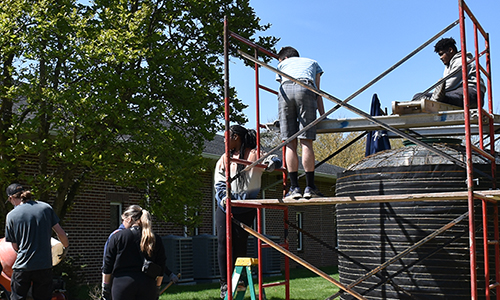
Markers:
228,34
464,12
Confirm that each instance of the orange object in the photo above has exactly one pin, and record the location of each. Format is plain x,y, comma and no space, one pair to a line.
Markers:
7,258
58,296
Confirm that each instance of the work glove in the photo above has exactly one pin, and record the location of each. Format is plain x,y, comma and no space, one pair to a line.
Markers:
174,278
273,162
106,291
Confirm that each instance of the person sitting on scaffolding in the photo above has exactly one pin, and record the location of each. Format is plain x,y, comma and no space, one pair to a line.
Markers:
242,144
297,108
451,90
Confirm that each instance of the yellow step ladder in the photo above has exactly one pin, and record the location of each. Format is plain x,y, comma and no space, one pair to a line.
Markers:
243,264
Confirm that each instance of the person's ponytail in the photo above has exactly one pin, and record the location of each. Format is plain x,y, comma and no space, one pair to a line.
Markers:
148,239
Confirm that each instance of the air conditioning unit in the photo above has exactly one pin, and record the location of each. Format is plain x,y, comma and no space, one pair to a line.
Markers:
205,257
271,258
179,252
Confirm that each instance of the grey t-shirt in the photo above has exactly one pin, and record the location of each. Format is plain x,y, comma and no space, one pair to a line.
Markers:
29,225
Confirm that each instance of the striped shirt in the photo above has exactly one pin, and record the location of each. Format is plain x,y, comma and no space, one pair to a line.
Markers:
299,68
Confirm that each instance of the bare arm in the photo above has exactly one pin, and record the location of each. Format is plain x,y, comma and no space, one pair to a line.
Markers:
159,279
61,235
321,106
106,278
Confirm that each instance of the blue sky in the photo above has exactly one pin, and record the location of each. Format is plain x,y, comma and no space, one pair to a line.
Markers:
355,41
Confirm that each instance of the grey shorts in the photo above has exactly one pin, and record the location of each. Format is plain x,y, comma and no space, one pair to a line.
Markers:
297,108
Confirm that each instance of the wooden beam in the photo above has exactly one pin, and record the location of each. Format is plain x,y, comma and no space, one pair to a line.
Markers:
298,259
441,119
492,195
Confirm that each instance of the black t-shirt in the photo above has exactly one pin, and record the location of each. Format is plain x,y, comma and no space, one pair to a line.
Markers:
123,253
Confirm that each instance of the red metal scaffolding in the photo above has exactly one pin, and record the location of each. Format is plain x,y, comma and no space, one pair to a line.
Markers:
229,262
464,12
486,132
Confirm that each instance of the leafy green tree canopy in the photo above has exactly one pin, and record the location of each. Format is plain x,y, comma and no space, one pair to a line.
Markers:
120,90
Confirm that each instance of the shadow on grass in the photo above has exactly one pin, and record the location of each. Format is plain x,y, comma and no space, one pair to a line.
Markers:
303,284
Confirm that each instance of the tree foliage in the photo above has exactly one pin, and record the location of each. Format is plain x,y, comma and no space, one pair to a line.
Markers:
327,144
121,90
324,146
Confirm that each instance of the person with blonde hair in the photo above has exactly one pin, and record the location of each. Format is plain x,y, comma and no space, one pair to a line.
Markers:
124,258
29,228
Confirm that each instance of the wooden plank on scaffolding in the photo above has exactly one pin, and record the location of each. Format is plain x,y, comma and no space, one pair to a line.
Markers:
439,119
457,130
298,259
421,106
447,131
493,195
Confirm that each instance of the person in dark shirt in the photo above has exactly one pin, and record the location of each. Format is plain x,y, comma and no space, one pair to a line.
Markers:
124,259
29,228
127,222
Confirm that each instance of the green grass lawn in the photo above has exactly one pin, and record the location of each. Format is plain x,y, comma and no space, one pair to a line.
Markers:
304,285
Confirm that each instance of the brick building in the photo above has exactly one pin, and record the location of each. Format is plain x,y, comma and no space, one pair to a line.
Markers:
97,209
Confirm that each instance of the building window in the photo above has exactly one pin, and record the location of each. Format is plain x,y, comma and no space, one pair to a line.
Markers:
115,215
299,219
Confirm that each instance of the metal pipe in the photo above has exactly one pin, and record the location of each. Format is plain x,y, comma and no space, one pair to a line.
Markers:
229,256
493,168
252,44
287,259
478,90
468,150
259,254
257,104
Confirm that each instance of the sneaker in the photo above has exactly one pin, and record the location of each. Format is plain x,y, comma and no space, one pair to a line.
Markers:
309,192
223,290
293,194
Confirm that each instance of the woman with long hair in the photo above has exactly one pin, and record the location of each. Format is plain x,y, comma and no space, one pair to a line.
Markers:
242,144
124,257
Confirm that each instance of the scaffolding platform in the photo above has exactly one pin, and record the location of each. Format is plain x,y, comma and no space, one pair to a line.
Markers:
489,195
442,123
421,120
